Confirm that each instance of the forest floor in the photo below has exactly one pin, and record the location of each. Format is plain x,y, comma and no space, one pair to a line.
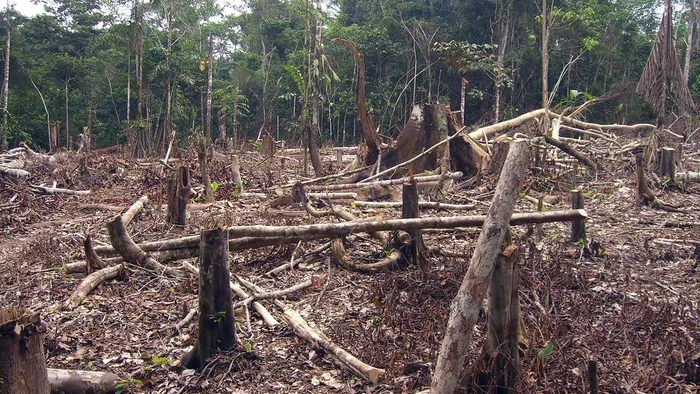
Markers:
632,304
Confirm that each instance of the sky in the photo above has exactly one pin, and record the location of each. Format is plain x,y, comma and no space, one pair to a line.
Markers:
26,8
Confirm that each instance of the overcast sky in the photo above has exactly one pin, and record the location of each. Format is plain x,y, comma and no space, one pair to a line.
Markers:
26,7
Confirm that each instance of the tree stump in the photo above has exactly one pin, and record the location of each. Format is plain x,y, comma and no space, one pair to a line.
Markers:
22,363
499,153
502,345
268,145
236,171
217,328
578,227
179,191
668,164
409,210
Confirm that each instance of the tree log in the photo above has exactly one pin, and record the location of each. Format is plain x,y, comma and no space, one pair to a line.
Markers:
125,246
130,213
688,177
22,363
346,228
90,283
81,382
566,148
217,323
464,310
58,190
422,204
14,172
320,340
398,181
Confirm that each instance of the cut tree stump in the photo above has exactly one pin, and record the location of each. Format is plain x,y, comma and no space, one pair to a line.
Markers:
217,323
465,307
578,227
236,173
668,164
502,354
79,382
410,209
179,193
22,363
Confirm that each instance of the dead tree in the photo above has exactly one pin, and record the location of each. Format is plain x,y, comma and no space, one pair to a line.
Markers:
466,305
179,193
411,209
217,328
22,363
54,132
204,156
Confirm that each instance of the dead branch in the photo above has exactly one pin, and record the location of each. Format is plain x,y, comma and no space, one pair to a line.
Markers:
14,172
125,246
129,215
388,182
93,261
90,283
320,340
188,318
274,294
343,260
57,190
422,204
566,148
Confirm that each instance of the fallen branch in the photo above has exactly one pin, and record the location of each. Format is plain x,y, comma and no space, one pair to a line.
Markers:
343,260
90,283
571,151
320,340
14,172
188,318
58,190
274,294
72,381
418,179
291,264
125,246
129,215
422,204
688,177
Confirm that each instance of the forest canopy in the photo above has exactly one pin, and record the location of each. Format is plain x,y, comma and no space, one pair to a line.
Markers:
113,64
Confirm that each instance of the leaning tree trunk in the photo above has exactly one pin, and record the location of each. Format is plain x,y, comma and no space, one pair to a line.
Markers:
315,128
6,77
466,305
217,329
22,363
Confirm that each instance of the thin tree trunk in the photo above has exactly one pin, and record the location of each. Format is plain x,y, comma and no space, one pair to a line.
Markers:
168,88
210,69
67,132
315,128
688,41
6,78
504,31
466,305
545,68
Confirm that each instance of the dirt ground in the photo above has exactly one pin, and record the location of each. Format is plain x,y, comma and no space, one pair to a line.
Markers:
628,298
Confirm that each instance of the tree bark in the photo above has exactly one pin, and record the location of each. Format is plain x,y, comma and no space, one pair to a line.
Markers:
411,209
90,283
179,192
74,382
22,363
217,329
466,305
6,77
203,157
125,246
134,209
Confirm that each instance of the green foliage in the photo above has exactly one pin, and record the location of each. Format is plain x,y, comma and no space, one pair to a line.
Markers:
545,352
161,361
127,385
214,186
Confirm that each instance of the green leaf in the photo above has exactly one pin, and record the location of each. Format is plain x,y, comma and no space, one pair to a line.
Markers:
159,360
545,351
248,347
214,185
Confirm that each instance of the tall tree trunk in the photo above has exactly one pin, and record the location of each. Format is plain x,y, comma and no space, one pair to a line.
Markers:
235,116
688,41
314,130
168,88
545,68
6,78
67,132
504,27
210,68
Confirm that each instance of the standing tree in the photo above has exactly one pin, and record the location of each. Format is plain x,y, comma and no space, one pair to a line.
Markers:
6,77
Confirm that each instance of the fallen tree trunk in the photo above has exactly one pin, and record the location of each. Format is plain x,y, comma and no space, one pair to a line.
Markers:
422,204
58,190
72,381
388,182
688,177
90,283
125,246
321,341
571,151
466,305
345,228
14,172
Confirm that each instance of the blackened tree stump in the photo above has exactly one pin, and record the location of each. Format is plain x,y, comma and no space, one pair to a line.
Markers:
409,210
217,328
